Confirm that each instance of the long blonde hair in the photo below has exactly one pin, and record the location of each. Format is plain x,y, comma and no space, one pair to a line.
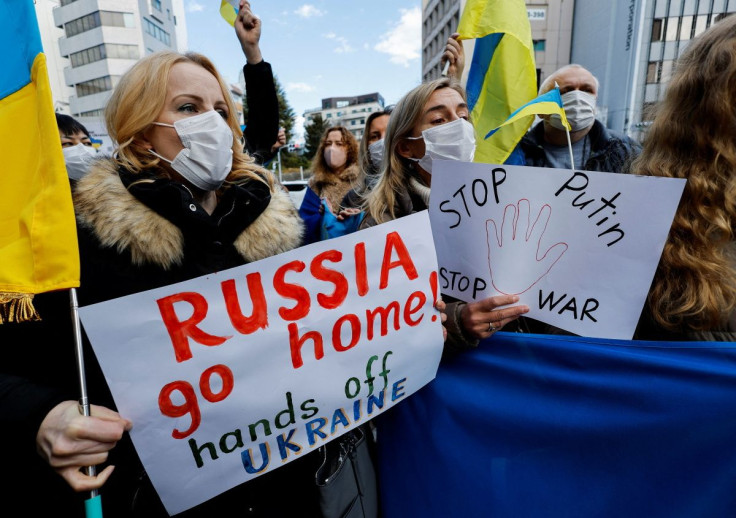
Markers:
380,204
139,97
692,137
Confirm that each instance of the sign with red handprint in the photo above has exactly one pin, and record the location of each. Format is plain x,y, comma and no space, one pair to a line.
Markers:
580,248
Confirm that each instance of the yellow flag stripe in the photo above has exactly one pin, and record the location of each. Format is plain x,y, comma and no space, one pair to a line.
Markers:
38,244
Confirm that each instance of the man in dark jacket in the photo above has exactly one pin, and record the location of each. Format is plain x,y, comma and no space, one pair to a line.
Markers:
594,147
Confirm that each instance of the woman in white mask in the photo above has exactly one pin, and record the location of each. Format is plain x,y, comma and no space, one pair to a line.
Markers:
432,122
334,172
178,199
370,155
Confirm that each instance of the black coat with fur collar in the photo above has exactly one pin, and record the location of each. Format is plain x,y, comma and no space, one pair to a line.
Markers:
136,233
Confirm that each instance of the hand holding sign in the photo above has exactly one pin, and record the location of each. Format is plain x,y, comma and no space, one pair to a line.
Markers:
523,241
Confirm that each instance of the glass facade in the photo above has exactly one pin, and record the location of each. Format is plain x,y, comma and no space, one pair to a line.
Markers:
104,51
97,19
96,86
675,23
156,31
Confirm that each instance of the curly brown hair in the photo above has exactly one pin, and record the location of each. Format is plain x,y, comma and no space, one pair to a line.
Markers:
692,137
352,149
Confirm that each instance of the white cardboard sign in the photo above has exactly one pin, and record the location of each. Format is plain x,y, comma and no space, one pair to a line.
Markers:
579,248
294,350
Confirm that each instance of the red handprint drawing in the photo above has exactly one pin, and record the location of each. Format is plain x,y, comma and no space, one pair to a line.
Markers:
519,238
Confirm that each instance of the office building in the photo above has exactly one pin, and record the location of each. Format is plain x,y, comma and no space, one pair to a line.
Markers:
350,112
631,47
103,38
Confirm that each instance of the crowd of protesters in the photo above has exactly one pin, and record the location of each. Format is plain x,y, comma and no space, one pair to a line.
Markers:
182,197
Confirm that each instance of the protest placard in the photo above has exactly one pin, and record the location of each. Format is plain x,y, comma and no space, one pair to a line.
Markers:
234,374
579,248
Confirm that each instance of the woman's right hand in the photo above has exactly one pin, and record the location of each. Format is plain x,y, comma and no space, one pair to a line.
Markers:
483,318
69,441
248,30
455,54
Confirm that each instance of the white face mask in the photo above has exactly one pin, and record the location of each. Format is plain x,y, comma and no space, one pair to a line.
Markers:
452,141
375,151
579,109
77,159
207,157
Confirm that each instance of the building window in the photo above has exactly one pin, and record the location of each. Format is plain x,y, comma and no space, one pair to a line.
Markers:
156,4
653,71
94,86
657,29
157,32
701,23
686,27
105,51
96,19
671,31
665,71
93,113
539,45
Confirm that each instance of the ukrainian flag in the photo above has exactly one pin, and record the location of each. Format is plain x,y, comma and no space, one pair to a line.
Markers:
229,10
38,243
546,104
502,73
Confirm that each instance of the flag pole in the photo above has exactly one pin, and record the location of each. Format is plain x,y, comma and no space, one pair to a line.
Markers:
569,147
569,142
446,68
93,506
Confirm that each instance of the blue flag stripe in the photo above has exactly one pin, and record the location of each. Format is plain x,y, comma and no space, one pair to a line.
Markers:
482,55
20,42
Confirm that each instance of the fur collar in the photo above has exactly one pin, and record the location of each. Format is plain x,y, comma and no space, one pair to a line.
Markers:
323,177
120,221
334,187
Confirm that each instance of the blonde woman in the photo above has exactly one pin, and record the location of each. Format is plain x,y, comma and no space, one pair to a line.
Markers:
433,116
179,199
693,295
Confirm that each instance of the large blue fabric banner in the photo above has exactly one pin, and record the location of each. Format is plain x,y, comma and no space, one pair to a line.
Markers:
548,426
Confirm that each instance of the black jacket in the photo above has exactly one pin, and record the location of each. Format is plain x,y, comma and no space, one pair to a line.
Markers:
262,123
132,239
609,151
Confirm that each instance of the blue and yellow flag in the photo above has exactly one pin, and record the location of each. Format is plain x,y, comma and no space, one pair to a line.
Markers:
38,240
229,10
502,73
546,104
